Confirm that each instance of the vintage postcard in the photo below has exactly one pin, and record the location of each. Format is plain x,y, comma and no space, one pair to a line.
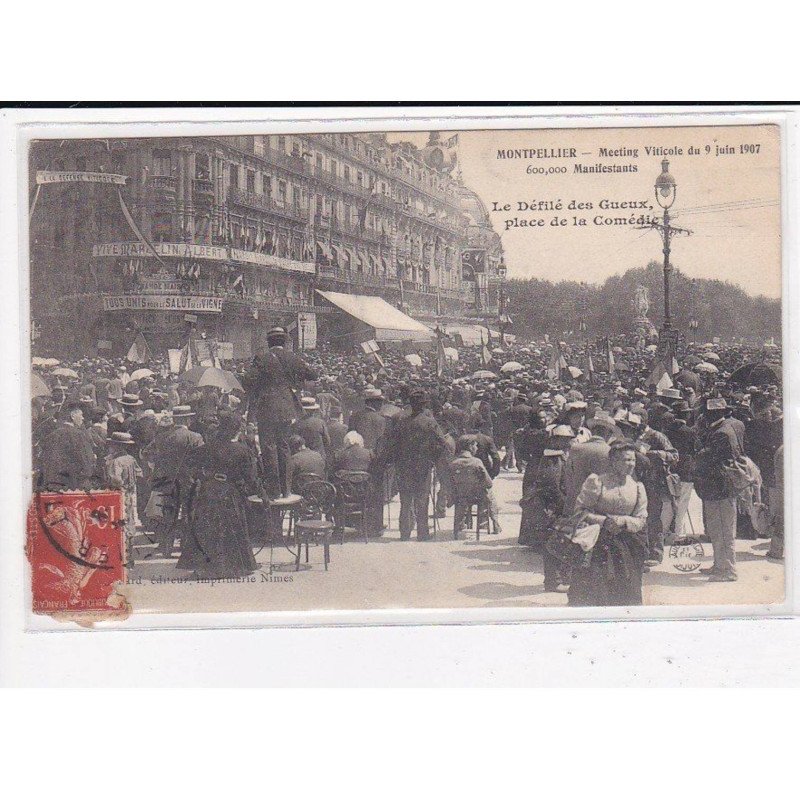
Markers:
361,368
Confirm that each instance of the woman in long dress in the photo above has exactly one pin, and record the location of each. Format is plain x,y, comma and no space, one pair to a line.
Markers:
224,475
618,503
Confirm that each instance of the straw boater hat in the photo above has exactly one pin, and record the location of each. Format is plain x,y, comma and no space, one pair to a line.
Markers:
120,437
130,400
182,411
309,403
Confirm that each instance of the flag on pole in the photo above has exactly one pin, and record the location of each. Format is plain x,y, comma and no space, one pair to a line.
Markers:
486,356
610,356
139,353
557,363
659,376
440,356
189,356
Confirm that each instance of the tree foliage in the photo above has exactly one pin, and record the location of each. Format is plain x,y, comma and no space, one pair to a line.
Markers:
720,307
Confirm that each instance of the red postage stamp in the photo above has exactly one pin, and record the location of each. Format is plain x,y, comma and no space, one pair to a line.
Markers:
76,548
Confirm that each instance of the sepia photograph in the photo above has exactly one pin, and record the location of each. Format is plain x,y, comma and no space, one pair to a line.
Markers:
531,369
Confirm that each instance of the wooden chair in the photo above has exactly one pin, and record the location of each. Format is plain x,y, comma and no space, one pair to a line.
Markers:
353,494
314,519
476,509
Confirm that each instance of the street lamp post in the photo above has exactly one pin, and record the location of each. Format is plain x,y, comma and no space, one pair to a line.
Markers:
502,318
665,190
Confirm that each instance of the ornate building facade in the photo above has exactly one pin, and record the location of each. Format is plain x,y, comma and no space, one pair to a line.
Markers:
237,233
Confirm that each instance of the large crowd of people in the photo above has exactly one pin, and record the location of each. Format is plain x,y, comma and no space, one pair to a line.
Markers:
610,459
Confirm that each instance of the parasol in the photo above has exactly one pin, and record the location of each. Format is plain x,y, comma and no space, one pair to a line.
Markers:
575,372
483,373
755,375
622,366
511,366
38,387
211,376
712,357
498,351
138,374
414,360
65,372
706,366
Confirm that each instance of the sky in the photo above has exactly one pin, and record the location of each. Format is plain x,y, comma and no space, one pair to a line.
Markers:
728,198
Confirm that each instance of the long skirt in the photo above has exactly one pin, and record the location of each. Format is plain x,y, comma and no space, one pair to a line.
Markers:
613,577
218,536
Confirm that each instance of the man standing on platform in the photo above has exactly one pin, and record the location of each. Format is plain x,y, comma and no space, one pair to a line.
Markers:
270,382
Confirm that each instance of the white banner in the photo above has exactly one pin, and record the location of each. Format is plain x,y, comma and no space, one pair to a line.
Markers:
44,176
167,302
168,249
266,260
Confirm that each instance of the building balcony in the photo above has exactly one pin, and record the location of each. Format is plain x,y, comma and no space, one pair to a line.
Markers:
164,185
293,164
263,202
202,188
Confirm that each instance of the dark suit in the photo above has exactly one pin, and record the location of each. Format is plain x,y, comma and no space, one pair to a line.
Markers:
416,442
170,454
67,458
371,424
303,466
270,382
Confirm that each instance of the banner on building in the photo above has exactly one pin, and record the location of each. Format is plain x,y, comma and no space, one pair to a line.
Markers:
167,302
307,330
267,260
46,176
164,249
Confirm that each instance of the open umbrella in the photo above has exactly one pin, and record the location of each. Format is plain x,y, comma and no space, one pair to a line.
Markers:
221,378
712,357
38,387
483,373
498,351
211,376
50,362
706,366
138,374
65,372
511,366
755,375
414,360
575,372
451,354
622,366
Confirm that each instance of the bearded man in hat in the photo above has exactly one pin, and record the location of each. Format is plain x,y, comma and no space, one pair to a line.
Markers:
270,383
415,443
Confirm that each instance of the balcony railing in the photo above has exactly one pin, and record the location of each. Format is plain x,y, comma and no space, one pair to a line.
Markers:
203,186
291,163
164,183
263,202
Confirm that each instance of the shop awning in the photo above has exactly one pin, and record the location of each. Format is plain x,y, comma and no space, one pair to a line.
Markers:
390,324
